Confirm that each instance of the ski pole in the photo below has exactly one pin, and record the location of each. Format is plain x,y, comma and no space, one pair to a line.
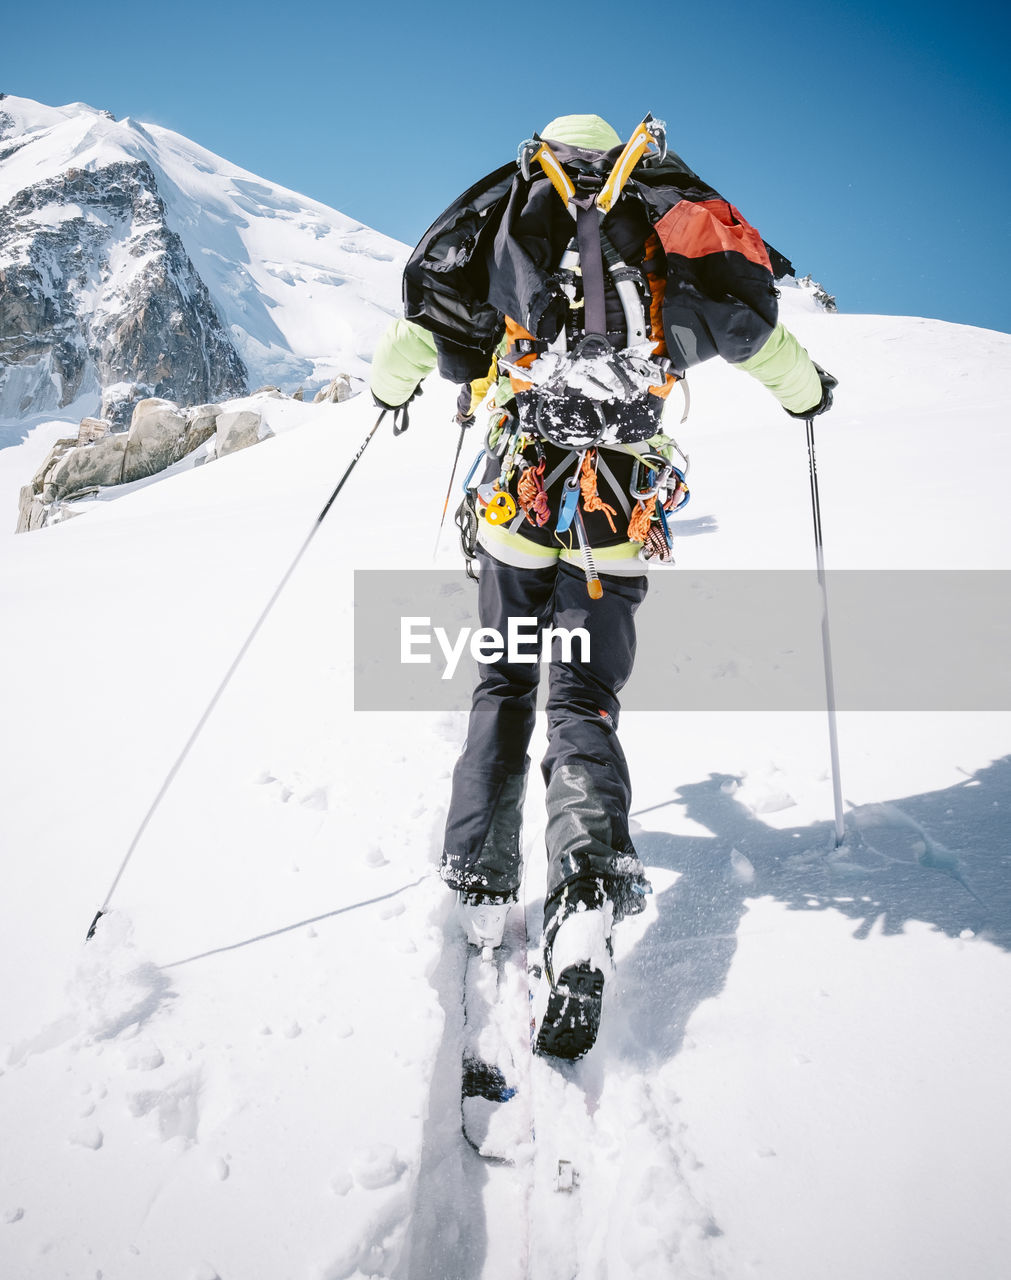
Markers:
825,640
171,775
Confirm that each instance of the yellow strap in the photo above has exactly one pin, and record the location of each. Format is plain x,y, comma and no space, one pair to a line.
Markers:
632,153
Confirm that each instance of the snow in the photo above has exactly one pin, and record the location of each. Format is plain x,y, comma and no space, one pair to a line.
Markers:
252,1070
582,937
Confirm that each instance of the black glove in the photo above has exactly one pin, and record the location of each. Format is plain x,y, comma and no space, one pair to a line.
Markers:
401,418
828,385
463,414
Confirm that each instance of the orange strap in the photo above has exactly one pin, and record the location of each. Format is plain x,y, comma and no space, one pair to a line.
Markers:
592,501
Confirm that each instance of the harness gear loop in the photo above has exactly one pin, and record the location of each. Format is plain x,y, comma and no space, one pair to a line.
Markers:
592,501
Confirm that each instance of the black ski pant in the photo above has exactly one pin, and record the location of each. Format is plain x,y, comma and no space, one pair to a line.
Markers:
585,772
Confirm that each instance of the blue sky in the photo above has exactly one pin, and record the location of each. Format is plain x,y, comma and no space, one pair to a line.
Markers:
868,142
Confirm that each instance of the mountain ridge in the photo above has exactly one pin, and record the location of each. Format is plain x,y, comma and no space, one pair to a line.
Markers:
276,288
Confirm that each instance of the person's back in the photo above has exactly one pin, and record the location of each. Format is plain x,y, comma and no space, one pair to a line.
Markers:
575,290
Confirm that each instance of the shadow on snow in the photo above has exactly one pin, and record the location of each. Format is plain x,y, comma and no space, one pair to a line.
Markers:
940,858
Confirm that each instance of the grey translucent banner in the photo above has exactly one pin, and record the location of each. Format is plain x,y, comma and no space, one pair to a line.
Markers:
715,641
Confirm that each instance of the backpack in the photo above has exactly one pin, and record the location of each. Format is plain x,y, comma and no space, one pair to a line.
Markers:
603,376
525,250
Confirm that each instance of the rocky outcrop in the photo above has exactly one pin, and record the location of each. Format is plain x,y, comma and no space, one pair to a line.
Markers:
70,468
239,430
96,292
338,390
821,295
160,435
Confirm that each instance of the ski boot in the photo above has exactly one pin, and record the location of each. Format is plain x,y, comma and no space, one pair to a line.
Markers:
483,918
577,959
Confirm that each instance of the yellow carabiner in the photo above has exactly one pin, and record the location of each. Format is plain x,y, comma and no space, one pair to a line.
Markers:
501,508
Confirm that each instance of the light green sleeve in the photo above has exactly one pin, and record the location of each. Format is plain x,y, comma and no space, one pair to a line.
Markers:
403,357
787,370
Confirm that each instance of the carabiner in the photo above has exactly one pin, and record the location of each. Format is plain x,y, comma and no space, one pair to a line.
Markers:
470,474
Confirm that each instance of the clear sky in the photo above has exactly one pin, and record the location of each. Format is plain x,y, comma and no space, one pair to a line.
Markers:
869,142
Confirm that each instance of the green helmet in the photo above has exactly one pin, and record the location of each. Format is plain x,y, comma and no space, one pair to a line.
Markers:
591,132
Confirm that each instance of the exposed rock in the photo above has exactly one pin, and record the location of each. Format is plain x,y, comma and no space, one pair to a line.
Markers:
201,424
299,394
238,430
107,297
339,389
120,400
821,295
88,467
68,470
275,393
92,429
157,430
160,435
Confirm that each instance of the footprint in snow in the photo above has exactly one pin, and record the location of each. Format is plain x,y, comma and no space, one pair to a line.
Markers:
377,1166
174,1108
86,1135
305,794
144,1057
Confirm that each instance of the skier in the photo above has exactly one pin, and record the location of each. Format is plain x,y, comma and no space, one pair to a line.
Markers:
593,276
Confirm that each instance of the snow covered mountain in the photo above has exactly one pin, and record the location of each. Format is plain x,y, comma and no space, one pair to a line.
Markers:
252,1072
134,262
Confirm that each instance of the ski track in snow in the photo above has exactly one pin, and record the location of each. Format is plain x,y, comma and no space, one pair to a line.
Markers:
253,1069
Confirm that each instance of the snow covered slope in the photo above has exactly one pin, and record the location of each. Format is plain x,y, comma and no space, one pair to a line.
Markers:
301,290
252,1071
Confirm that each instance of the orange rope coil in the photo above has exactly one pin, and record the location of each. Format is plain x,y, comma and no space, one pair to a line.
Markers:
642,518
532,495
592,501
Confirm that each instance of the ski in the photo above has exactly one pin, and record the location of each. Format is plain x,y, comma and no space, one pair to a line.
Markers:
495,1066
